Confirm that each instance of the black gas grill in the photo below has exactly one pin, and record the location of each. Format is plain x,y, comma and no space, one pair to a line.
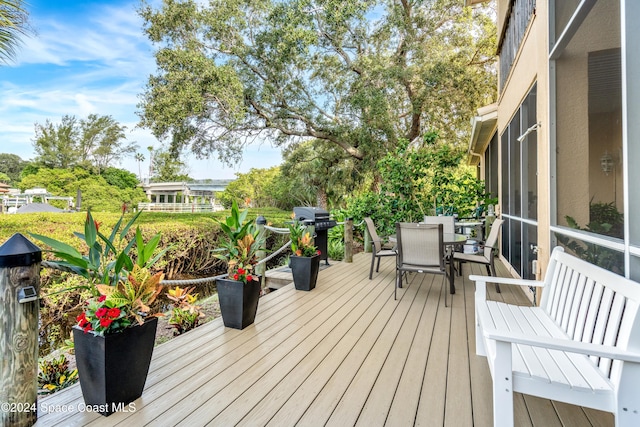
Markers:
320,218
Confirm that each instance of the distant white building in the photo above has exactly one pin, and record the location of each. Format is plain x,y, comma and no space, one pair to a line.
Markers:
195,196
14,200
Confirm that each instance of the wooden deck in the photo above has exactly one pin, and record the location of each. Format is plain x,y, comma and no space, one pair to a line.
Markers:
343,354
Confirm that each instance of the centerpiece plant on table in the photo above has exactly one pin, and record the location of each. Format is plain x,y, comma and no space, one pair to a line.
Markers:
116,329
305,261
239,292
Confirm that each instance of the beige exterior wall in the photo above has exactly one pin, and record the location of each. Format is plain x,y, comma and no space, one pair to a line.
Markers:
531,66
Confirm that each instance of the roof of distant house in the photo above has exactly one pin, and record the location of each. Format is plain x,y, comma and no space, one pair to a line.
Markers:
37,207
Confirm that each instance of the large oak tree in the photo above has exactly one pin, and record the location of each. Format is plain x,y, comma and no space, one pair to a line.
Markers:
354,73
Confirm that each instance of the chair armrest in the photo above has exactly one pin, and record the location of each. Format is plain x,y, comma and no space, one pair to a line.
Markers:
560,344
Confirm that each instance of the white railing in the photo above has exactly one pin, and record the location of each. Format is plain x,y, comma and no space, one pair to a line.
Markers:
179,207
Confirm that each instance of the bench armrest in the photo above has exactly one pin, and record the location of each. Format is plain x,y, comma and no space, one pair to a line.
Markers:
567,345
481,284
506,280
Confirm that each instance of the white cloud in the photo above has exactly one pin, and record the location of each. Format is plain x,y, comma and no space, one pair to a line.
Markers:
98,63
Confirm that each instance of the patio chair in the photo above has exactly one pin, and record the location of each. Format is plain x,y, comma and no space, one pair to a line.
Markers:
448,227
487,254
448,222
378,249
420,250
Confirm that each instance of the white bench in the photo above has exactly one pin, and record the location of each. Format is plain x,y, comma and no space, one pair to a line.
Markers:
580,346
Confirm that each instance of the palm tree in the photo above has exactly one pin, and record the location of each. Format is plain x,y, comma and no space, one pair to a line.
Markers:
150,148
13,23
139,158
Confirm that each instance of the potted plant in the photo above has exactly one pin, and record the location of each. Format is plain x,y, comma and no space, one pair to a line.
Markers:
305,261
114,341
116,329
239,291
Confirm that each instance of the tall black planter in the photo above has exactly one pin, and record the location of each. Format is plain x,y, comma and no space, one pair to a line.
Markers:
238,302
305,271
113,368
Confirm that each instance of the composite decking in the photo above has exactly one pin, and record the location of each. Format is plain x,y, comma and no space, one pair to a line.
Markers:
343,354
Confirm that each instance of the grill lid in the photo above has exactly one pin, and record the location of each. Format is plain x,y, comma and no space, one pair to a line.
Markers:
310,213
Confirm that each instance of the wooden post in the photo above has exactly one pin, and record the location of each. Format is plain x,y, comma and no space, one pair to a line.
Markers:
348,240
19,313
261,269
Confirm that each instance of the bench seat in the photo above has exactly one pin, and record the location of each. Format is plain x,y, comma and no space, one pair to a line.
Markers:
581,346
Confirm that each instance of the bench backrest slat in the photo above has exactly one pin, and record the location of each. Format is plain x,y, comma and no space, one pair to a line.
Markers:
592,305
585,300
577,305
602,319
612,330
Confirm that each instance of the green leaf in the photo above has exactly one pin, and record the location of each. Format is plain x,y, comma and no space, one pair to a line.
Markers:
90,231
57,246
126,228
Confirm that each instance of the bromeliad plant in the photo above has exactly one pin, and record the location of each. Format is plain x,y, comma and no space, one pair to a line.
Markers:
301,240
243,241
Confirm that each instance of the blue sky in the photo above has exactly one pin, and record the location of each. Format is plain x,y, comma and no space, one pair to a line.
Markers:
90,57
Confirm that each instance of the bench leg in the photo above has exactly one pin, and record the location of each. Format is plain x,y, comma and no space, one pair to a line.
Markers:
628,411
502,386
480,350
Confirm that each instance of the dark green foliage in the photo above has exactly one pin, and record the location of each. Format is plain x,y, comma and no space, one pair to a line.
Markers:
120,178
418,181
11,165
97,193
605,220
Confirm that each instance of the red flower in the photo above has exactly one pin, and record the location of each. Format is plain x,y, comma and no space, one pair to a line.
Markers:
249,277
81,317
105,322
102,298
113,313
87,328
318,252
241,271
236,277
101,312
97,224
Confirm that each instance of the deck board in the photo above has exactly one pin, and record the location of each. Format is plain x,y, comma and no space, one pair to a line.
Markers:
343,354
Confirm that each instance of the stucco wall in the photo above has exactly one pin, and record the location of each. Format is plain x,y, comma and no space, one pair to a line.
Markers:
531,66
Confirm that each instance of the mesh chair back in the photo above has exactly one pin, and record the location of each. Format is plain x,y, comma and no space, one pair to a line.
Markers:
492,239
420,245
374,234
448,222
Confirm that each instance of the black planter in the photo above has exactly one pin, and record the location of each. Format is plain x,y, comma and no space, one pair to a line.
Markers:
113,368
305,271
238,302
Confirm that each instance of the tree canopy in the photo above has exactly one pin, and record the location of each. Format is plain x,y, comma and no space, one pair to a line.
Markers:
99,193
11,165
97,141
358,74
